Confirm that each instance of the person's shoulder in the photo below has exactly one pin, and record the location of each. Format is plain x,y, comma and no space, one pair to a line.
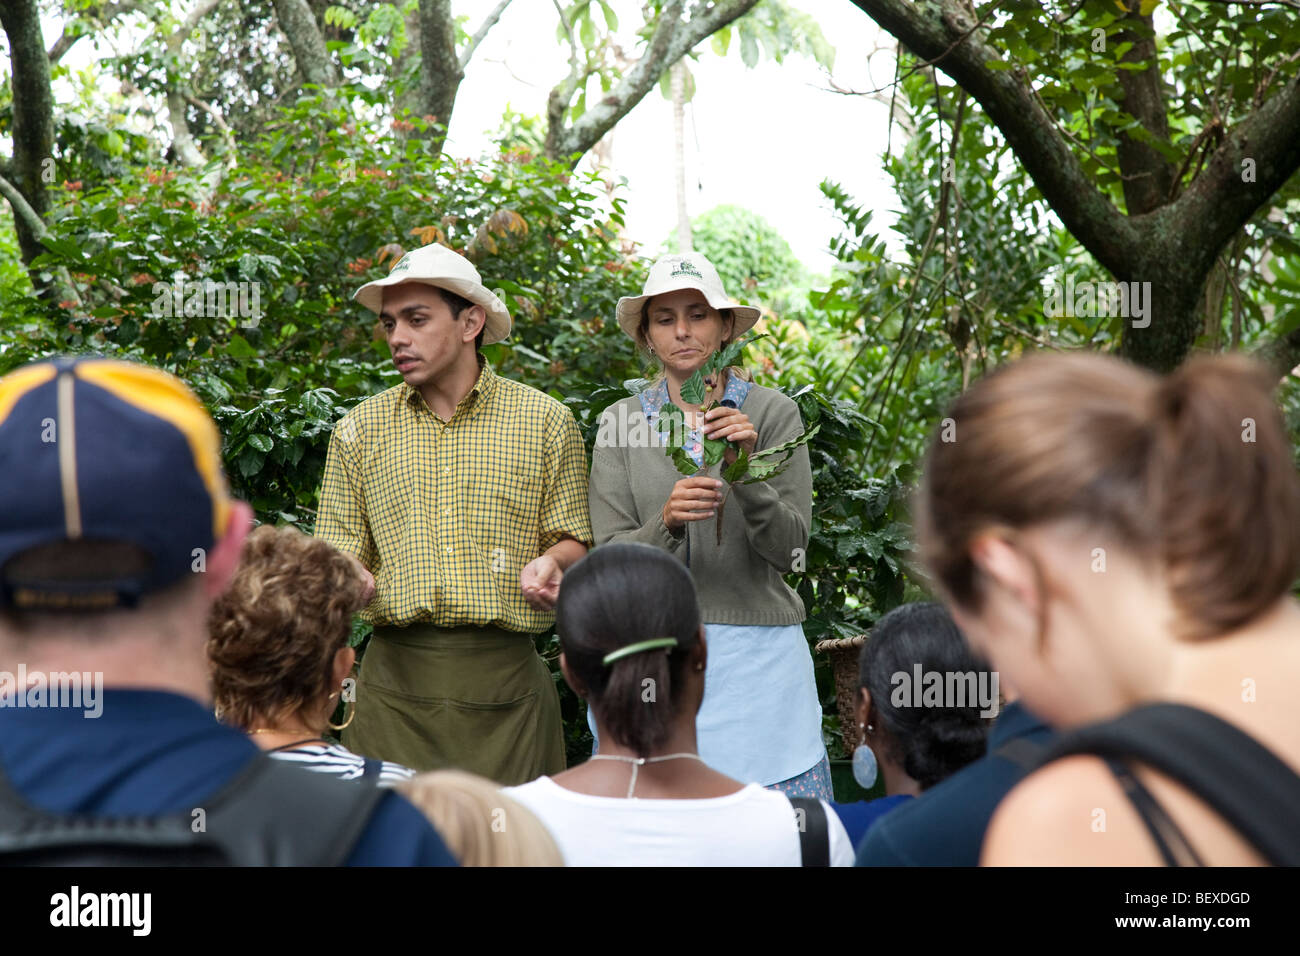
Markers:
399,835
529,400
1054,815
770,403
377,408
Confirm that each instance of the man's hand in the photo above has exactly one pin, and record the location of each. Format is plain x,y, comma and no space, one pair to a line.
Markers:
540,582
368,579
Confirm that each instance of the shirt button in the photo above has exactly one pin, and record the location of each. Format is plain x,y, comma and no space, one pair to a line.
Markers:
447,510
447,550
446,469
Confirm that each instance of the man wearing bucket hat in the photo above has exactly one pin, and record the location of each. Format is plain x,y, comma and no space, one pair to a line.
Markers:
464,494
116,536
760,720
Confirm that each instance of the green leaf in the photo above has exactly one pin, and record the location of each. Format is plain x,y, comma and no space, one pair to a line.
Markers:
721,41
748,49
693,388
684,462
611,18
724,357
713,450
238,347
736,470
63,247
787,447
262,443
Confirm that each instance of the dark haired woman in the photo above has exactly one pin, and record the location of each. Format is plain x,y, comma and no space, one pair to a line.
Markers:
1122,546
633,646
762,720
909,737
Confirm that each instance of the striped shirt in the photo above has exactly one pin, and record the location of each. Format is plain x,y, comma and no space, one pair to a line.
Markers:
446,514
338,760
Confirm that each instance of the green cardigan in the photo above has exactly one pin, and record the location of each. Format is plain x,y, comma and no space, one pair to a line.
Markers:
764,528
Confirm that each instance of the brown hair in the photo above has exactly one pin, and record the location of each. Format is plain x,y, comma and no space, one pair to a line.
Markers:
480,824
1192,471
273,635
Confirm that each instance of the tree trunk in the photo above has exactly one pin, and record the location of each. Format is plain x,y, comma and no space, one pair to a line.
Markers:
33,119
685,242
440,67
308,43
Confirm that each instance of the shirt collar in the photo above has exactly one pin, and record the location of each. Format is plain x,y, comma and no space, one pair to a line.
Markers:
1014,721
478,396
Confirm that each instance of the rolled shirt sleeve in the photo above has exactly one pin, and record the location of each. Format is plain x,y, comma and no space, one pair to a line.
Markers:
342,519
564,512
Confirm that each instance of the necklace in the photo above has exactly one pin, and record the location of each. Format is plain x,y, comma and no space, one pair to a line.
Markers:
638,762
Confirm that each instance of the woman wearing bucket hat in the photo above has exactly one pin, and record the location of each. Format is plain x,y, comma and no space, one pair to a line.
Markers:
761,719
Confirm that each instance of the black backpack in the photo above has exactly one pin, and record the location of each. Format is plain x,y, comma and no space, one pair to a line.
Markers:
1240,779
270,814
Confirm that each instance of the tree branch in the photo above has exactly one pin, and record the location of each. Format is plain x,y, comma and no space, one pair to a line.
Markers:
61,46
440,68
298,23
670,41
1147,174
491,21
28,218
1008,98
33,118
1221,200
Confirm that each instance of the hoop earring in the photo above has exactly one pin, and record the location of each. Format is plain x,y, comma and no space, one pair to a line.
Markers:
344,725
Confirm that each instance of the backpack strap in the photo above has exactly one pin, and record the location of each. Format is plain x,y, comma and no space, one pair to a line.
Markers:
270,814
1162,829
814,831
250,817
1240,779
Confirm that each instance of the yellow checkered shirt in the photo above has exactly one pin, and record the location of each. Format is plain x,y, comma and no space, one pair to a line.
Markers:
446,514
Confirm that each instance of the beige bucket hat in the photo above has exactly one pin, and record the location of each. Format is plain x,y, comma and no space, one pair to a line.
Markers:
438,266
684,270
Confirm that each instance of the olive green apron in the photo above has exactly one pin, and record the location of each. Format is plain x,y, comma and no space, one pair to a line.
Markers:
474,698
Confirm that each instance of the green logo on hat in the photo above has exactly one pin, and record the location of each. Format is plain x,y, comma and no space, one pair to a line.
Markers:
686,268
402,263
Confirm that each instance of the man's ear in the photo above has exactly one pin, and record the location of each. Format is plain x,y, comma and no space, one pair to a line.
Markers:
475,318
223,559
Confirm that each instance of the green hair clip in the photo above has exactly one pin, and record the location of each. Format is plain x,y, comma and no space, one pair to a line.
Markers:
637,648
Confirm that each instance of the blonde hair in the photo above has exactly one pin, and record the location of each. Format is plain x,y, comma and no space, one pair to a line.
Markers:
479,823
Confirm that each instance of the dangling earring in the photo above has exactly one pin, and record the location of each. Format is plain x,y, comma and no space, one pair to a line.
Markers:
865,767
343,726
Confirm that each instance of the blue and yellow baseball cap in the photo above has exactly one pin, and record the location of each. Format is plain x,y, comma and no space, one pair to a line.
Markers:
119,458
